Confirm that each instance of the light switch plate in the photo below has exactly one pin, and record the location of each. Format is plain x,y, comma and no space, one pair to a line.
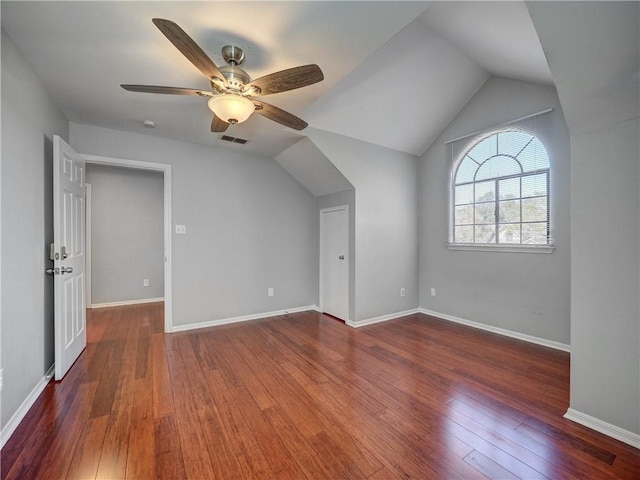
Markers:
181,229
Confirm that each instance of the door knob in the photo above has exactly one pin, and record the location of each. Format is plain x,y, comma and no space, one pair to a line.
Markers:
64,270
341,257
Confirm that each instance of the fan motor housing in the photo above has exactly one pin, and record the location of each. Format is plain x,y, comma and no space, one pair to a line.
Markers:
236,77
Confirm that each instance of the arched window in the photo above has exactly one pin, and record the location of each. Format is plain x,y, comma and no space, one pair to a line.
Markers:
501,191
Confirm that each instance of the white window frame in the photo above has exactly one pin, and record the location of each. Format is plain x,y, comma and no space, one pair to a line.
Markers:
496,247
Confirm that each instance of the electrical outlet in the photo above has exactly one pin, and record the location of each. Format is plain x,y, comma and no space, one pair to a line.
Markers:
433,292
270,292
402,292
181,229
145,282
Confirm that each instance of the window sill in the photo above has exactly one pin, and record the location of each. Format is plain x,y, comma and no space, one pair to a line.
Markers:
502,248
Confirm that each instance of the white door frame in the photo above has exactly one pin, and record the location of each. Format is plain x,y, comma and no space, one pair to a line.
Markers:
87,247
166,169
321,256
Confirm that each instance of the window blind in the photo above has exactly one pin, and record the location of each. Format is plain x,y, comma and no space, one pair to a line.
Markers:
500,188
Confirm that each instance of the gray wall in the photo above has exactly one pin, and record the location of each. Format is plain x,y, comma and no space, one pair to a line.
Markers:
593,49
522,292
250,226
29,121
127,233
347,197
386,240
605,330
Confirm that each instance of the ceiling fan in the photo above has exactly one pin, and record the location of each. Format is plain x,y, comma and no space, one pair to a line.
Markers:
232,100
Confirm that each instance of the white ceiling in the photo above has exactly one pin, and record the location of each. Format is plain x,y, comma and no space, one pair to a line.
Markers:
313,169
395,72
499,36
598,76
402,96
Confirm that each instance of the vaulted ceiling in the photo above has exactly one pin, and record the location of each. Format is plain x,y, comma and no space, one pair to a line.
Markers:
396,73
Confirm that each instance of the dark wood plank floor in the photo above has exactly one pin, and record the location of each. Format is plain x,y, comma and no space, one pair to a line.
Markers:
304,396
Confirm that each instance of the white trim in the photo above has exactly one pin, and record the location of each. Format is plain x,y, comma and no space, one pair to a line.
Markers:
500,331
382,318
168,251
125,163
23,409
127,302
87,245
608,429
515,248
478,132
243,318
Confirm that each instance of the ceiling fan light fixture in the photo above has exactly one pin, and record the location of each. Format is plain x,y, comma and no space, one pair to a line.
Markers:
231,108
232,86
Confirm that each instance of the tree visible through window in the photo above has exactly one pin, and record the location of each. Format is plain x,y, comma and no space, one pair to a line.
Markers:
501,191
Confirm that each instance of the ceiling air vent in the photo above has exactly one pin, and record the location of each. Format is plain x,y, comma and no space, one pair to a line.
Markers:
227,138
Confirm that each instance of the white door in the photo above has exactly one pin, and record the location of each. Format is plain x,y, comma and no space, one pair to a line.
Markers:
334,262
69,249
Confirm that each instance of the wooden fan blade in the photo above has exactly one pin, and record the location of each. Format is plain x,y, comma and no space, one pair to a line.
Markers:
278,115
285,80
189,48
166,90
218,125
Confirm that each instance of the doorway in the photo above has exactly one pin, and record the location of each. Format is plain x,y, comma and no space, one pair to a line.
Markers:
334,261
124,251
165,171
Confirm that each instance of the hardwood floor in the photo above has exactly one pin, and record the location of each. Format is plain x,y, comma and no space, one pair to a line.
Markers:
304,396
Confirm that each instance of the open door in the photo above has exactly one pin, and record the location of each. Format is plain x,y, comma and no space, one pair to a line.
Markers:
68,252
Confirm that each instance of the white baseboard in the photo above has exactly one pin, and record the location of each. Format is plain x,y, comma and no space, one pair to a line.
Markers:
127,302
382,318
244,318
501,331
598,425
23,409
